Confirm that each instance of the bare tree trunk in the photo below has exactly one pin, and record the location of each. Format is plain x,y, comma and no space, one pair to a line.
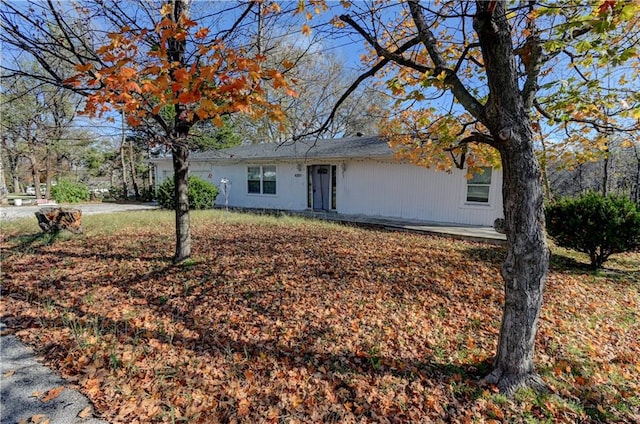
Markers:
123,163
605,172
48,171
524,269
180,152
260,30
4,192
635,196
150,169
35,175
132,165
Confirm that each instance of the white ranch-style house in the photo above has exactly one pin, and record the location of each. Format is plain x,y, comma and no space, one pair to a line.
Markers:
352,176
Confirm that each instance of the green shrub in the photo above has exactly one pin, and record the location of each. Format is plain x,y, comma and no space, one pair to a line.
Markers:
201,193
69,192
117,192
595,224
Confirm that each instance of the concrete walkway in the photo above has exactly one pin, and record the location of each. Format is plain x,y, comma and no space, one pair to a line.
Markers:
462,232
31,392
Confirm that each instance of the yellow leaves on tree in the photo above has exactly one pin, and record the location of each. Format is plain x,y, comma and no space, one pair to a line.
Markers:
139,78
419,137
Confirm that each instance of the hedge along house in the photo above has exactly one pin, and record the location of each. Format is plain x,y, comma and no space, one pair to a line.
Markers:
352,176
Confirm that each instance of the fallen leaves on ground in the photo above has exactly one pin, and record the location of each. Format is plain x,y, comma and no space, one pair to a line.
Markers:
51,394
295,321
86,412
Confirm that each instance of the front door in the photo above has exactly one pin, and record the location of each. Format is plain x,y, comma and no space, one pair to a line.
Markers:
320,179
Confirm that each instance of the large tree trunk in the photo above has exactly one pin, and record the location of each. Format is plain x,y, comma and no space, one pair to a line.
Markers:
180,152
525,267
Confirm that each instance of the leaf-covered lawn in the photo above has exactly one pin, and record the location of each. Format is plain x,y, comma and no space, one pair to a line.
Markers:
287,320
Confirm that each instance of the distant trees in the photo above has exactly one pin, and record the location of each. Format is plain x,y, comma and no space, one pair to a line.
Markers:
616,171
320,79
36,128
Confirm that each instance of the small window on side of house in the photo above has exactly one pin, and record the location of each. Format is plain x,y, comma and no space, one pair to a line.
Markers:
253,179
478,187
268,180
261,180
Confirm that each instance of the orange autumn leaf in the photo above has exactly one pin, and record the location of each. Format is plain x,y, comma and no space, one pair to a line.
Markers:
72,82
181,75
606,6
39,419
202,33
52,394
83,68
166,9
86,412
132,86
188,97
134,121
127,73
217,121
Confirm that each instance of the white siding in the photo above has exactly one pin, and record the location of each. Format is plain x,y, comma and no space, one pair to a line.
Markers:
406,191
202,170
291,186
368,187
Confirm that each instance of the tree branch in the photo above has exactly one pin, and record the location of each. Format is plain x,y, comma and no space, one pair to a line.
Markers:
600,127
238,21
395,56
470,103
475,137
371,72
531,54
464,55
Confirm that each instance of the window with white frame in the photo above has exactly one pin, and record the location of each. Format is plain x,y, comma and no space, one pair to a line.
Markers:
261,179
478,187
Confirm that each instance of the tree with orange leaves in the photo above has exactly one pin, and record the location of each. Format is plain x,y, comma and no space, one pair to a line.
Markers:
171,73
142,82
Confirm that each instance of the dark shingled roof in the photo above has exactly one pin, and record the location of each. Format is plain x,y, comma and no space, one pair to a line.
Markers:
355,147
